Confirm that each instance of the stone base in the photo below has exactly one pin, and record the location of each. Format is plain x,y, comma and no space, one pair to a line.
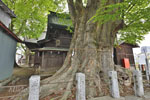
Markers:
133,98
145,97
106,98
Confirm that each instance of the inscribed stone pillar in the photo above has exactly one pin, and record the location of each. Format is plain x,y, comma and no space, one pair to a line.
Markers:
34,87
138,83
114,88
80,94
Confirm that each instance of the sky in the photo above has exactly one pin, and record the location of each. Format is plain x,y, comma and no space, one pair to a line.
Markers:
145,42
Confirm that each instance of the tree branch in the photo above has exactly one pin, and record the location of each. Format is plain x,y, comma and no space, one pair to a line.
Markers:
92,2
79,6
72,10
130,8
79,3
89,2
92,7
118,25
21,27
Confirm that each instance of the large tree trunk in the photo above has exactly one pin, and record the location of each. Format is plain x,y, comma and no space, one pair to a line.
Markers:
90,52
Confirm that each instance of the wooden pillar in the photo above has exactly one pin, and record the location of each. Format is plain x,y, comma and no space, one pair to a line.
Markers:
43,61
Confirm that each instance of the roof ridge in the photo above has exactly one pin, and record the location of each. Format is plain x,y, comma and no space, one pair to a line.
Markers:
6,9
9,32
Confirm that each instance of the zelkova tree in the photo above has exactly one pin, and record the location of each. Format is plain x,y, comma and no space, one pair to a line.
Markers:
91,48
96,24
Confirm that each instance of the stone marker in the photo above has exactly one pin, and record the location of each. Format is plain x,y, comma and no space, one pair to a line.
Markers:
147,69
80,94
34,87
138,83
114,88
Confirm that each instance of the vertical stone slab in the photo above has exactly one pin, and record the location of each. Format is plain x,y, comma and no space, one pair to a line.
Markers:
140,67
34,87
114,88
80,94
147,69
138,83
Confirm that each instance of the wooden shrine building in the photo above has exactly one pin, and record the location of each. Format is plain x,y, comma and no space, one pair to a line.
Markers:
51,51
124,50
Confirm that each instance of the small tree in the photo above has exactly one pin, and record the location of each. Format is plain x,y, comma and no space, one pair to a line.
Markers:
31,18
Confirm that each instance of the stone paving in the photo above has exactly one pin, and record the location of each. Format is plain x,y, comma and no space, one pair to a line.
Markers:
145,97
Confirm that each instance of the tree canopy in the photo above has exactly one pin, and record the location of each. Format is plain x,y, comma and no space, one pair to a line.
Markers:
134,14
31,15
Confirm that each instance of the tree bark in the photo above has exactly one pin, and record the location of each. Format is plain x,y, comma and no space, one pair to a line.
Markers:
27,54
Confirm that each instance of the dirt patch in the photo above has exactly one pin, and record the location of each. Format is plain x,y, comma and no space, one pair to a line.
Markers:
21,81
16,85
23,72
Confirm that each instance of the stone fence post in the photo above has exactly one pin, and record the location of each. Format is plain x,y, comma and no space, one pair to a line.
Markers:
114,88
138,83
80,94
34,87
